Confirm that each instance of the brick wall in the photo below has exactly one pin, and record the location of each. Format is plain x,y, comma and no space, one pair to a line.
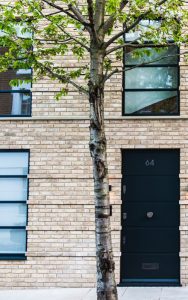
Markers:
61,247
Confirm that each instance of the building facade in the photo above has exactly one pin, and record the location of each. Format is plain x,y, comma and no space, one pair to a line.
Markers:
47,232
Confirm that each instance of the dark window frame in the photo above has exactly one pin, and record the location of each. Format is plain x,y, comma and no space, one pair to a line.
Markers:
17,256
150,90
21,91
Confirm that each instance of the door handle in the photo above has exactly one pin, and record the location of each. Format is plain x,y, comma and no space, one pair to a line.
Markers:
124,216
150,214
124,189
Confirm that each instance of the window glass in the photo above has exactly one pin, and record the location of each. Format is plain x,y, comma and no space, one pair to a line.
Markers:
13,214
13,189
12,241
148,54
22,31
21,74
15,103
14,163
143,27
146,102
151,77
17,99
151,88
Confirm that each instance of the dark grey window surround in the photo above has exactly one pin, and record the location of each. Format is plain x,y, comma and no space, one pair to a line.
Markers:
15,101
13,205
152,89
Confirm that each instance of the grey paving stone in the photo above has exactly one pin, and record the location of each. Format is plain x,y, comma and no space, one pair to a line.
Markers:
174,293
47,294
143,293
131,293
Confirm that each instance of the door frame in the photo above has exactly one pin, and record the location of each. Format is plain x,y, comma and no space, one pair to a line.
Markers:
147,284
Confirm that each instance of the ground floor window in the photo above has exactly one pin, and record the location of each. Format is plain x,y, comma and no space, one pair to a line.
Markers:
14,169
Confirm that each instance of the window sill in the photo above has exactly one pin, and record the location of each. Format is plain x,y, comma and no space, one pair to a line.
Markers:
85,118
154,117
13,257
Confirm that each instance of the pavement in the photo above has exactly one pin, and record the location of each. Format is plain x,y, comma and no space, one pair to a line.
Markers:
125,293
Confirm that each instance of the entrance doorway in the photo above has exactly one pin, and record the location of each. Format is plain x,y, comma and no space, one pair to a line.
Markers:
150,217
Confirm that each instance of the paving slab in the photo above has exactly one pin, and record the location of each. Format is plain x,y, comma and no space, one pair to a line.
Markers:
169,292
125,293
46,294
147,293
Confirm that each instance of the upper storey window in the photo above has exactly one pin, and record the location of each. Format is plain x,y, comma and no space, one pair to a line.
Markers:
15,100
151,80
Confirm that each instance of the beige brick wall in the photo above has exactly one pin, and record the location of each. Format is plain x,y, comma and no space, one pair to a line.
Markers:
61,247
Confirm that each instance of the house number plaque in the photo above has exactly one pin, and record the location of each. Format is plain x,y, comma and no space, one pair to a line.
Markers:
150,163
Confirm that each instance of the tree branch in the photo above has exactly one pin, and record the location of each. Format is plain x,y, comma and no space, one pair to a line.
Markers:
91,19
99,14
61,9
65,32
53,13
51,41
110,21
127,29
64,79
77,15
143,15
123,4
110,75
137,46
90,12
80,18
73,38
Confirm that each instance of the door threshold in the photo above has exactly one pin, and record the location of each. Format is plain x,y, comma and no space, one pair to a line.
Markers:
150,283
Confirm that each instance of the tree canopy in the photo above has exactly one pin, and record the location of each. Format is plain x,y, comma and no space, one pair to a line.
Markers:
33,32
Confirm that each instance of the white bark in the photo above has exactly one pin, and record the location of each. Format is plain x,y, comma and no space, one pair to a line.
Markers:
106,285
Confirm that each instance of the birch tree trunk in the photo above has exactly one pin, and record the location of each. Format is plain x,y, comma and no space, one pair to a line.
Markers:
106,285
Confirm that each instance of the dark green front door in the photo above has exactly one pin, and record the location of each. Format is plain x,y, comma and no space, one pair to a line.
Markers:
150,217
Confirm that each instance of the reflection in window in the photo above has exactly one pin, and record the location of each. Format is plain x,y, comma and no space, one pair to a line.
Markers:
153,87
159,102
17,192
150,78
13,214
21,30
164,56
144,27
15,100
14,163
12,241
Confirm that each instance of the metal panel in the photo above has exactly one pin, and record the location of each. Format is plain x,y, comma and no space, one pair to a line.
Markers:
137,214
136,267
151,162
150,188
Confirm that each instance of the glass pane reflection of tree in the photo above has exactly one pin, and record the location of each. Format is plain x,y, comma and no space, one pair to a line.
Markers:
151,88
